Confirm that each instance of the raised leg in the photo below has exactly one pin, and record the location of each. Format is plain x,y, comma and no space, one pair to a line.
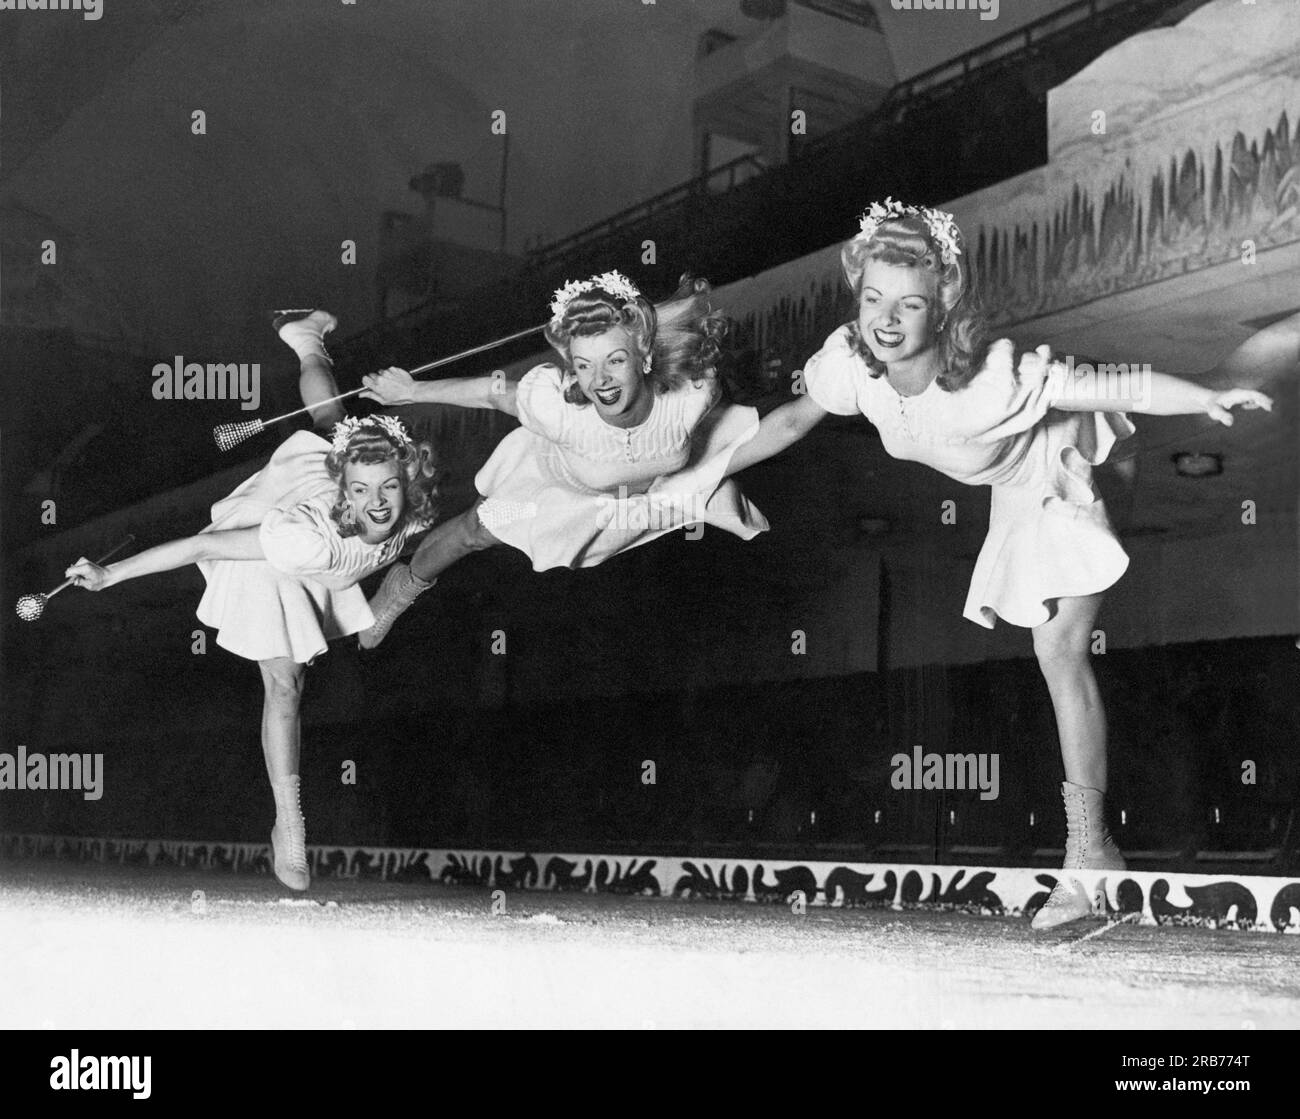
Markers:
451,541
305,335
316,382
1266,356
448,542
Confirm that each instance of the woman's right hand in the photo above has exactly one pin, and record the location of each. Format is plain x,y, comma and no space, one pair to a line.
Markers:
389,386
83,573
1221,404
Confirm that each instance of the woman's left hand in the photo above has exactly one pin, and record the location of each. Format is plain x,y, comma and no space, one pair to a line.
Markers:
1220,405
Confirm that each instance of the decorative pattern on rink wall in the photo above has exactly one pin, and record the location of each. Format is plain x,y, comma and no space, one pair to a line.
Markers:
1154,171
1198,157
1185,210
1214,901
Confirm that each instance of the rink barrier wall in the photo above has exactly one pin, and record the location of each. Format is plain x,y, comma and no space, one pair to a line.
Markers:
1230,901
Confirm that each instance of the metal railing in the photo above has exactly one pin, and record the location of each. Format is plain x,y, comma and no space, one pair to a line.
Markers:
1038,33
928,85
721,180
742,217
864,15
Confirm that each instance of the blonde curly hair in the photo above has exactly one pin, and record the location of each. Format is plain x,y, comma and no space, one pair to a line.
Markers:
681,337
907,241
374,444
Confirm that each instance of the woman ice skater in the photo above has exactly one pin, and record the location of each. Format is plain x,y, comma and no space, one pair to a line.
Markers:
635,399
914,363
285,551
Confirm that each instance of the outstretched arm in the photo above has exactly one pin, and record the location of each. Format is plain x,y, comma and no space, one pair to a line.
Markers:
1155,394
779,429
228,544
396,386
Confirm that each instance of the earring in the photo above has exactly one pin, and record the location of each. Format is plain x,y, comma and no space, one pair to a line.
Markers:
647,365
349,517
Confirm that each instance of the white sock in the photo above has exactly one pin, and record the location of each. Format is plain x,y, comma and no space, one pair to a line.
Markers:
306,336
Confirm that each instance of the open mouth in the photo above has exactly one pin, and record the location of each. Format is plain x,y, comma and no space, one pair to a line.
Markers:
889,339
608,397
381,517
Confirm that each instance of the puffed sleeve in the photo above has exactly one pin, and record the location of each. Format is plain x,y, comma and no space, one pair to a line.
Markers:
1008,396
1013,396
539,398
831,375
297,540
1042,380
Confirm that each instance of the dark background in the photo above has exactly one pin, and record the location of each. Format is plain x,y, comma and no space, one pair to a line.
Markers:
678,652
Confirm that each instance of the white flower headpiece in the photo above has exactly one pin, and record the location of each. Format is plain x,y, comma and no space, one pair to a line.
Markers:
942,226
613,282
345,429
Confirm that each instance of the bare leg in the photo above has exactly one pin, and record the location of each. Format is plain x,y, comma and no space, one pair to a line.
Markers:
316,382
451,541
281,725
444,545
305,334
1062,647
281,746
1265,357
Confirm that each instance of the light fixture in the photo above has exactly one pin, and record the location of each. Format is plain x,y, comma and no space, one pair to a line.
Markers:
1197,464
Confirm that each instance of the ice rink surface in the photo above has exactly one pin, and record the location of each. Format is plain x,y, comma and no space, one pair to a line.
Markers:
101,946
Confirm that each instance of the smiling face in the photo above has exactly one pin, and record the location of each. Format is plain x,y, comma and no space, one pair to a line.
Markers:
376,491
898,310
608,369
